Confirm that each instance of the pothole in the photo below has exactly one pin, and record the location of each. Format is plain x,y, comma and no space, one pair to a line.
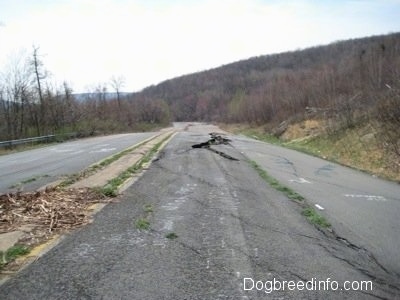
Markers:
216,139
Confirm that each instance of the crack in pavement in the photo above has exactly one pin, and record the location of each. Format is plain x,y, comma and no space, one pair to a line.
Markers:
216,139
365,262
340,248
286,161
342,241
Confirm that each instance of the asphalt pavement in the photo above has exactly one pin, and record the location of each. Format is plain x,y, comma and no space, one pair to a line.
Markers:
362,208
216,231
29,170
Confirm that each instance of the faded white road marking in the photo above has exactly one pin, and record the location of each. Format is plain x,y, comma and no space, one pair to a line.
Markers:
208,263
256,252
62,150
103,150
319,207
160,244
367,197
300,180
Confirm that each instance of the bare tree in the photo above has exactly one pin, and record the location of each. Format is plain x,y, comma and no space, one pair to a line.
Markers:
117,83
39,74
14,96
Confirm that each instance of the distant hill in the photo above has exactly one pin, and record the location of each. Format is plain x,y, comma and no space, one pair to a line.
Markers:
278,87
340,101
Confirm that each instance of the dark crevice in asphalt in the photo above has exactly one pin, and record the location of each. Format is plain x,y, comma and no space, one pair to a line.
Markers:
371,295
364,261
216,139
358,258
290,163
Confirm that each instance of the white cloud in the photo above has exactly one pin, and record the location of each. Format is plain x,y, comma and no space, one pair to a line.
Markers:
89,41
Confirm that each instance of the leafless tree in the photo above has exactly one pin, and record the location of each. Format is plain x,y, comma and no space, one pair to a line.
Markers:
117,83
39,75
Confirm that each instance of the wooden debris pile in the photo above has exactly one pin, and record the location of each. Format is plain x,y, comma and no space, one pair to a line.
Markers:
51,210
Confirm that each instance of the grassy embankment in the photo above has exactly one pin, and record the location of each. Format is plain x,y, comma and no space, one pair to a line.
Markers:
358,148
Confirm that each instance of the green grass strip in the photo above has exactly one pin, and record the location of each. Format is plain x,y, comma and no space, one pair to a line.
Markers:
310,213
111,188
315,218
291,194
92,169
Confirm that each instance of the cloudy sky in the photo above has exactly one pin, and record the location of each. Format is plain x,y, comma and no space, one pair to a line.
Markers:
85,42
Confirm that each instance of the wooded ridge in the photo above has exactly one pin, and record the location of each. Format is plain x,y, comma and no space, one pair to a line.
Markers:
345,84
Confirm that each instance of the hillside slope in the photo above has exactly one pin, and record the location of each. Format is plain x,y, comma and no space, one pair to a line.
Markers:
347,85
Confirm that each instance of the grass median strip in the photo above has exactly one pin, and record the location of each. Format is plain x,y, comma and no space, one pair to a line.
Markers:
310,213
93,168
111,188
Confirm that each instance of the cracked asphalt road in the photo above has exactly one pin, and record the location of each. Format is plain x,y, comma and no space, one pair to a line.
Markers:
229,224
44,165
360,207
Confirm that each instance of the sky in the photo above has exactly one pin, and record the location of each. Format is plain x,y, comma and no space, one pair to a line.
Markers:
86,42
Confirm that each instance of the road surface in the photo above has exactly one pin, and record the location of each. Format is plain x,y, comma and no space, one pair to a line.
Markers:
215,229
29,170
361,208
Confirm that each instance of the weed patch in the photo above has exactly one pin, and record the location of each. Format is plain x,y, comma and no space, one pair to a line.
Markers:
148,208
113,185
142,224
315,218
12,253
291,194
171,236
107,191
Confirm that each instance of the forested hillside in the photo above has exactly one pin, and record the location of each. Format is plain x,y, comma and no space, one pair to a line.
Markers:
348,90
345,85
341,77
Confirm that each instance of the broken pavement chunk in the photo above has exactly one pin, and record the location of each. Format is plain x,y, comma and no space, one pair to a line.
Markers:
216,139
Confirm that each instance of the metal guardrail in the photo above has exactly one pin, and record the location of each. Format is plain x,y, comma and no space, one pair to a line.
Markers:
12,143
46,139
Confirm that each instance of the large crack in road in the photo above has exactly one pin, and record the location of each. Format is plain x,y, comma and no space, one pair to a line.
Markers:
216,139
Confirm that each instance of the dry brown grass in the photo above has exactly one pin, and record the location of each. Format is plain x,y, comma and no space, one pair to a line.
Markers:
307,128
359,147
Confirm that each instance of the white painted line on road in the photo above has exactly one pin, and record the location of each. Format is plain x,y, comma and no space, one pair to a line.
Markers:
300,180
256,252
103,150
367,197
319,207
160,244
208,263
101,146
